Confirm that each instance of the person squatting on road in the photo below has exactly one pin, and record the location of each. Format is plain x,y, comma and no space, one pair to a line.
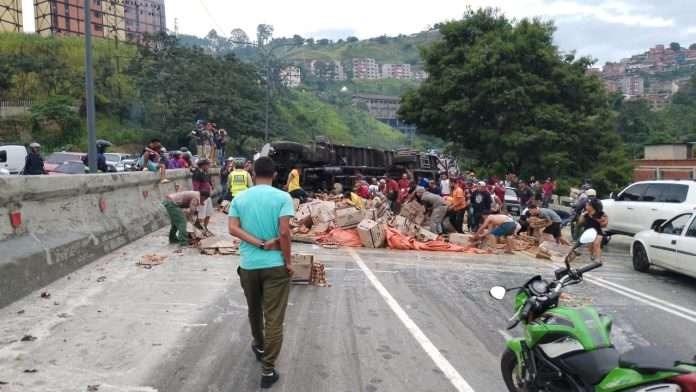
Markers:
174,203
260,217
497,226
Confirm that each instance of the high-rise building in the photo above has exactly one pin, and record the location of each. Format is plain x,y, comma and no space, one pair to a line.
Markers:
11,16
291,76
396,71
122,19
144,17
365,68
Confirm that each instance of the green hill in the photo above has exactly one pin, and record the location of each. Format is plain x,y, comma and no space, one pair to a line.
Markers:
143,93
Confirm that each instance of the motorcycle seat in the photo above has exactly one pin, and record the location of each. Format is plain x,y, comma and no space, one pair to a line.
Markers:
648,360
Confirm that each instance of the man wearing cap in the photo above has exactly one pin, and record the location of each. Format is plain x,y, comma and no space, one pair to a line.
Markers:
34,163
436,205
481,200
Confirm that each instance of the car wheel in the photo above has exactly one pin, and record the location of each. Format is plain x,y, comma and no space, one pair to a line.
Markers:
641,263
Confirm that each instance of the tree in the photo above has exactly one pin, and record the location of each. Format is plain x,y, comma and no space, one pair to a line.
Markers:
298,40
502,91
239,37
310,41
675,46
264,33
55,121
323,41
352,39
692,47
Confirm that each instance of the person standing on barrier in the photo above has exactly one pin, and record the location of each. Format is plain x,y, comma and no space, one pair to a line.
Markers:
203,182
182,206
260,217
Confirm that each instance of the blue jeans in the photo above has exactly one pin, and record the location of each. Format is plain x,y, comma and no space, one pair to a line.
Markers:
221,155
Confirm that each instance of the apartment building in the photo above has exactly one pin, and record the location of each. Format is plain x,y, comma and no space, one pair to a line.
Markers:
11,16
365,69
291,76
396,71
325,70
632,86
122,19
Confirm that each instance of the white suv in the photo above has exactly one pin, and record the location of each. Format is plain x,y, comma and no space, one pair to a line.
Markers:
642,204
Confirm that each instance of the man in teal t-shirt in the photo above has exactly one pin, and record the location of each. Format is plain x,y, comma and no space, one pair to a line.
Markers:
260,217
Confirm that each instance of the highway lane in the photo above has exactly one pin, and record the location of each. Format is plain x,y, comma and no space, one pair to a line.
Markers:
182,326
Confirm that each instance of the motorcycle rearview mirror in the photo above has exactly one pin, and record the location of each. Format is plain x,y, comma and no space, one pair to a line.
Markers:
498,292
588,236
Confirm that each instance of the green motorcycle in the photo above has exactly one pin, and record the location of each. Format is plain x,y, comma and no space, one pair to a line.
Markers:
568,349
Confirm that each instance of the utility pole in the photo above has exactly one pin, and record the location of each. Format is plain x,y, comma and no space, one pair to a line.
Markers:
89,92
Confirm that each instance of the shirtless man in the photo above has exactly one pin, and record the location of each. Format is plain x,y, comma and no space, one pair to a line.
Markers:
497,225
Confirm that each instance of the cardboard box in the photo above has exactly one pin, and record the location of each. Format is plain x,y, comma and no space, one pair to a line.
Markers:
350,217
460,239
302,265
323,212
296,204
413,211
377,212
426,235
404,226
371,234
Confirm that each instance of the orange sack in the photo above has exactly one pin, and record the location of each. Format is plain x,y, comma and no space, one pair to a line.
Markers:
349,237
396,240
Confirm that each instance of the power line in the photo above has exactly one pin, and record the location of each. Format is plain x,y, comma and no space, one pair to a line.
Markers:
210,15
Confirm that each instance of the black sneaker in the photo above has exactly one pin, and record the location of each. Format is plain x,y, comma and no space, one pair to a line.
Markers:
257,351
267,380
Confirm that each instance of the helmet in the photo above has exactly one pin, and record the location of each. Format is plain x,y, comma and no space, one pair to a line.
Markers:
103,143
183,149
176,153
230,159
34,145
203,161
591,193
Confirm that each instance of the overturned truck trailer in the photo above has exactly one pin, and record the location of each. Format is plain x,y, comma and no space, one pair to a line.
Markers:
323,164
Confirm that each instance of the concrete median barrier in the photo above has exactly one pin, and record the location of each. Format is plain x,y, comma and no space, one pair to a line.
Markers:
53,225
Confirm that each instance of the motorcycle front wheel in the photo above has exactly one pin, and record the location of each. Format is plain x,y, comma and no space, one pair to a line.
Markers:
511,373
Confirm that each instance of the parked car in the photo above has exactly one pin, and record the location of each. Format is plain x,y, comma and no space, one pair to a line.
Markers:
512,202
670,244
12,158
118,160
70,167
642,204
58,158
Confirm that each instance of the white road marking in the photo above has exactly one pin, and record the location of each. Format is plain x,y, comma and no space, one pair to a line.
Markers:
646,296
445,366
642,300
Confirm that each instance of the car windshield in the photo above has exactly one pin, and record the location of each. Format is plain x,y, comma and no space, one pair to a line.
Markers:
60,157
71,168
112,157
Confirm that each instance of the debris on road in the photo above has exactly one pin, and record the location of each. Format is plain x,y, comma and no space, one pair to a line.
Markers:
92,388
45,295
150,260
101,279
308,271
30,371
20,312
28,338
222,246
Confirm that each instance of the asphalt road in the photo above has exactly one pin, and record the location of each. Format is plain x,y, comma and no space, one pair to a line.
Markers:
391,321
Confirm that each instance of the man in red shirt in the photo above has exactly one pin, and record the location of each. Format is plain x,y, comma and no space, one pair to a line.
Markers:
404,182
547,192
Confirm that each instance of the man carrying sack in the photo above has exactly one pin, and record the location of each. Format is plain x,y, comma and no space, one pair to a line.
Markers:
260,217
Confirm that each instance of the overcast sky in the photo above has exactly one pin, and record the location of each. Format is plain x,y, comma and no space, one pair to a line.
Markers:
604,29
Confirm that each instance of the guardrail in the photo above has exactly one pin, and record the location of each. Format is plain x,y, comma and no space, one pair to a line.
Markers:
53,225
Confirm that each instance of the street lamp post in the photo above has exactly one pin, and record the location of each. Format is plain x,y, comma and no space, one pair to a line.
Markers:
89,92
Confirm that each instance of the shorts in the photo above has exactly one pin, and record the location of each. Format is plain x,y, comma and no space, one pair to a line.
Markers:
152,166
504,230
554,230
205,210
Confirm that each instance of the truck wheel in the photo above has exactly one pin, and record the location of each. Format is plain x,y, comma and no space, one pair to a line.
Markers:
641,263
508,366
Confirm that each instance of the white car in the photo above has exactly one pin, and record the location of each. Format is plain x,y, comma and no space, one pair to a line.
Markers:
12,158
642,204
670,245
